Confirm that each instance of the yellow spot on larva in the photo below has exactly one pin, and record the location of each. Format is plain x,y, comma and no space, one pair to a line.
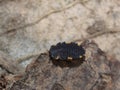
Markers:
69,58
57,57
68,42
78,43
80,56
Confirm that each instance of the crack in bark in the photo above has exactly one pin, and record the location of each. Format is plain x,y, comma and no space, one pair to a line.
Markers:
97,34
41,18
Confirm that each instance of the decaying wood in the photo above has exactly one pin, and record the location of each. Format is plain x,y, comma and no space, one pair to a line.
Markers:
96,73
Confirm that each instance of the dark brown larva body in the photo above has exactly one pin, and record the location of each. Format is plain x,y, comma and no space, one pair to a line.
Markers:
67,54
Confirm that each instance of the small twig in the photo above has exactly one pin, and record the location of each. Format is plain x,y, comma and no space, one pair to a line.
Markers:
97,34
27,57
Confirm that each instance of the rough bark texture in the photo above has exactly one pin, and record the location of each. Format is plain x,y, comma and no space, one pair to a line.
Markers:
96,73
